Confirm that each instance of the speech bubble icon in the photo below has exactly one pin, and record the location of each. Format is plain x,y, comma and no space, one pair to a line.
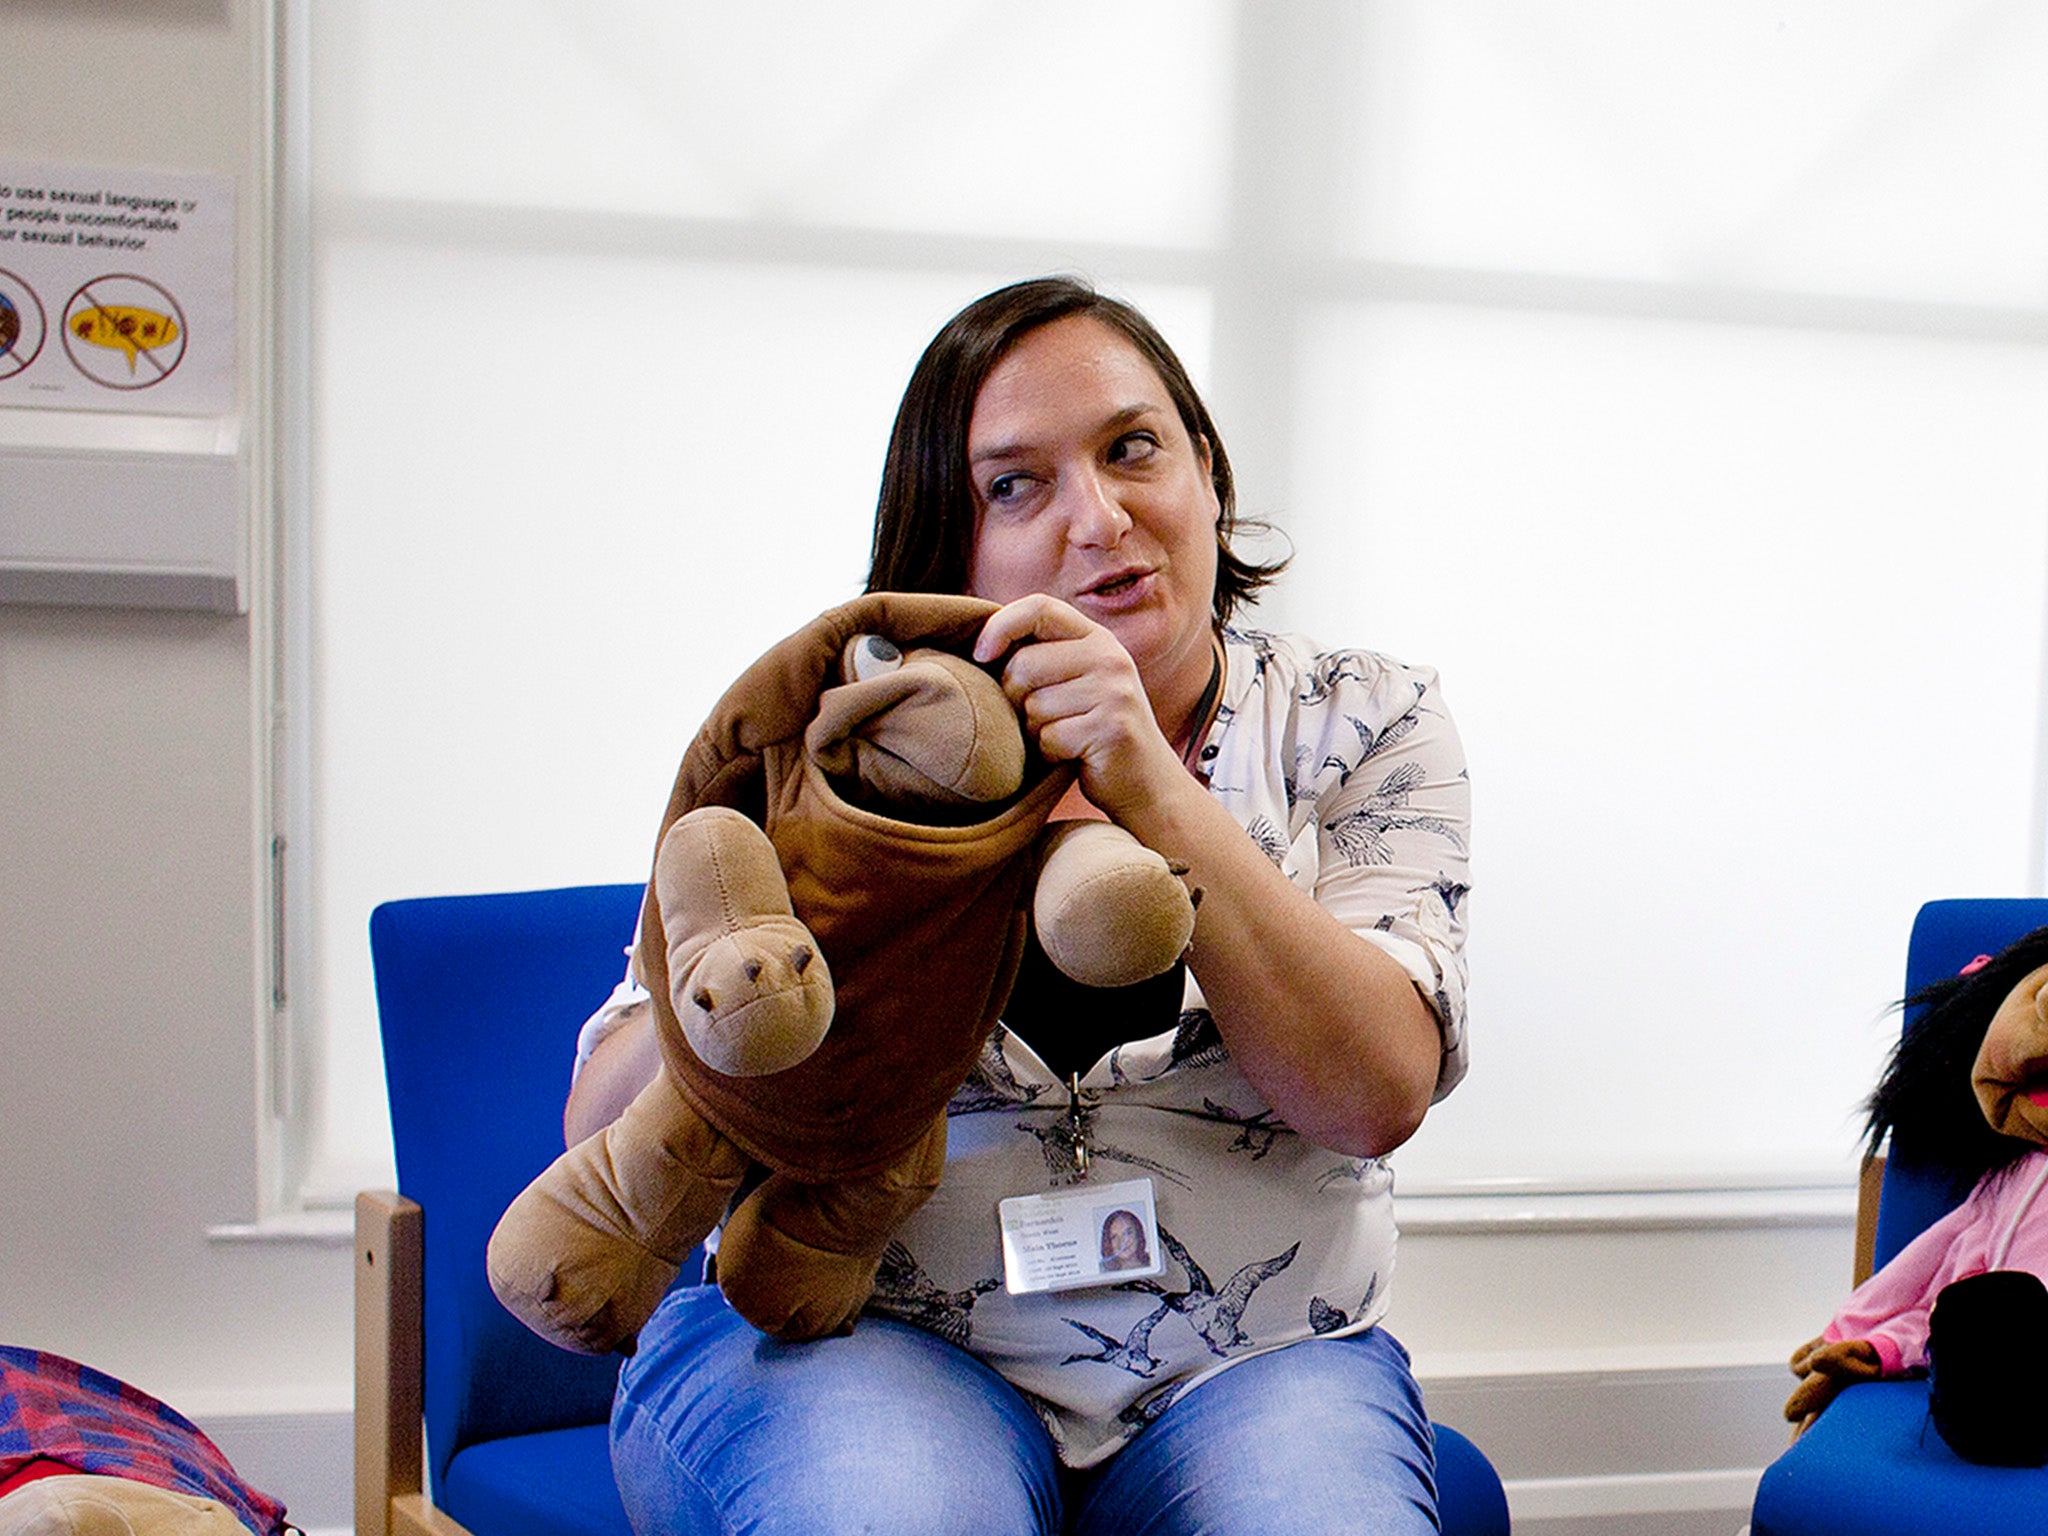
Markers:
127,328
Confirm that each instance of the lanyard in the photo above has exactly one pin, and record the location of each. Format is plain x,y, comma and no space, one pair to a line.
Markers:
1073,1132
1205,711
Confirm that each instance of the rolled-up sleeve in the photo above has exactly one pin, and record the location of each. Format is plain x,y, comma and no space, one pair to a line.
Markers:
1394,847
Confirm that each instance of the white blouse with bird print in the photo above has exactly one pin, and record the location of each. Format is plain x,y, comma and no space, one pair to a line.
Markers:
1344,767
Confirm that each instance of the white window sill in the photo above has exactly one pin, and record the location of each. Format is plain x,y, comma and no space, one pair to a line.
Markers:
1487,1209
314,1229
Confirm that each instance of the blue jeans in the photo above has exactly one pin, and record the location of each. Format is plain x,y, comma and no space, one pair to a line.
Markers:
717,1428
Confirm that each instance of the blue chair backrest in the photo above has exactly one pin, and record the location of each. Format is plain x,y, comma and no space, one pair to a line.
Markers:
480,999
1947,935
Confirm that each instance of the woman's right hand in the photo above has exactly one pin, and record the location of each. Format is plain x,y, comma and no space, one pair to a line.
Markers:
1083,701
1824,1369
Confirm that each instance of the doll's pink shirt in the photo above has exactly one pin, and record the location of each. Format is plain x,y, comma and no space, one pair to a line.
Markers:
2003,1224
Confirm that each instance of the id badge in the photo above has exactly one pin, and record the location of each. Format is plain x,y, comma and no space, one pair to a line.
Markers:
1088,1234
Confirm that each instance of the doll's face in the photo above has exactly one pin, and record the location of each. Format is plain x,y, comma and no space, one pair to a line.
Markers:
2011,1074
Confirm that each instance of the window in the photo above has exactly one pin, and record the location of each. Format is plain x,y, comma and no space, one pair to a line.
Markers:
1671,378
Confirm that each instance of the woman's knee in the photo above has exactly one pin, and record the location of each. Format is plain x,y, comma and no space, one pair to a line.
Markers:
1326,1435
888,1429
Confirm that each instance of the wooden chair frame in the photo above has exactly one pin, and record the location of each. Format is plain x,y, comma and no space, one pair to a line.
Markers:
1869,1185
391,1496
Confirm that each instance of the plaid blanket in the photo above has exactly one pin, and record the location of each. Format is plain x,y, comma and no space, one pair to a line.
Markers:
55,1409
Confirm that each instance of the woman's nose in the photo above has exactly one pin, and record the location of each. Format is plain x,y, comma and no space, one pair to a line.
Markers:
1095,519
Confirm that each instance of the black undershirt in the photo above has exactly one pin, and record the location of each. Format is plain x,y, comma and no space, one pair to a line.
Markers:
1072,1027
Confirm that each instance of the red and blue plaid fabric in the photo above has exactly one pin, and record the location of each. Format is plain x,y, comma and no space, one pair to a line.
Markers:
55,1408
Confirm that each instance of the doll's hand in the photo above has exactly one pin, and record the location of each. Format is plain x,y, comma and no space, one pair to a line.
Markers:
1824,1369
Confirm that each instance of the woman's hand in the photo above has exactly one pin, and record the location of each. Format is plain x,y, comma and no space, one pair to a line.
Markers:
1082,700
1823,1370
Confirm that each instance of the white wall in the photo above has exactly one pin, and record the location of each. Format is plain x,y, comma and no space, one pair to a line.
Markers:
1621,1360
133,843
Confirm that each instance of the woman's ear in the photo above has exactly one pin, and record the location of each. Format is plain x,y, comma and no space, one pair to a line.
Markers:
1206,457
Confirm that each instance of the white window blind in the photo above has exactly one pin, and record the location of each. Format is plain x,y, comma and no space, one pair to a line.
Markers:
1673,378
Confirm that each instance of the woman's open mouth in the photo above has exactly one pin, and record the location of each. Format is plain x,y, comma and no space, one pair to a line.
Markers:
1118,587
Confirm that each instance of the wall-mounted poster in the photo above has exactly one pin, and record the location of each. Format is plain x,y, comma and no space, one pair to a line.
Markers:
117,290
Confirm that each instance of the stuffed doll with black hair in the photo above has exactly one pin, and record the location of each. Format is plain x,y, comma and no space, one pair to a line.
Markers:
1967,1088
855,850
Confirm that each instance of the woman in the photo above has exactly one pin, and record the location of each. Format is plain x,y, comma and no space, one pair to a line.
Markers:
1051,455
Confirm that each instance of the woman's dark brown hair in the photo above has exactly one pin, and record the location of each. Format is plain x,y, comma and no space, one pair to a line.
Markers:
925,518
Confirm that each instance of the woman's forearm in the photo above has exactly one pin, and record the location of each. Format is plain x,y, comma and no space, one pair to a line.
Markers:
623,1063
1326,1025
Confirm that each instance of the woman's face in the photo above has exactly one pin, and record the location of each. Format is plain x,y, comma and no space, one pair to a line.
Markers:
2011,1074
1122,1235
1088,487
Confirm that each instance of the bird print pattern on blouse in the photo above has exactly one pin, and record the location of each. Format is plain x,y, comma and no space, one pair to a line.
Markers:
991,1084
1256,1134
1271,841
1361,835
1197,1042
1324,1318
1215,1314
1130,1353
1353,1170
1062,1142
1144,1410
903,1291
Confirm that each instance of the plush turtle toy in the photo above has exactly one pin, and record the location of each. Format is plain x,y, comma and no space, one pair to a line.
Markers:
855,849
1967,1089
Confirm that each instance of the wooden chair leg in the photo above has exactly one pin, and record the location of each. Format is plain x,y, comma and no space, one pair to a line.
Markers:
1869,1184
390,1360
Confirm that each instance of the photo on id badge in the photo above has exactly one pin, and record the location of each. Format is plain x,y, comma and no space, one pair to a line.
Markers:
1123,1245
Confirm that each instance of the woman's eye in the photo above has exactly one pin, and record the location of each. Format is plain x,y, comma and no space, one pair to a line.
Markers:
1003,487
1133,447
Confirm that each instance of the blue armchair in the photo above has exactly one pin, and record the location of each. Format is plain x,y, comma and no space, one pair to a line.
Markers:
1872,1464
479,999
